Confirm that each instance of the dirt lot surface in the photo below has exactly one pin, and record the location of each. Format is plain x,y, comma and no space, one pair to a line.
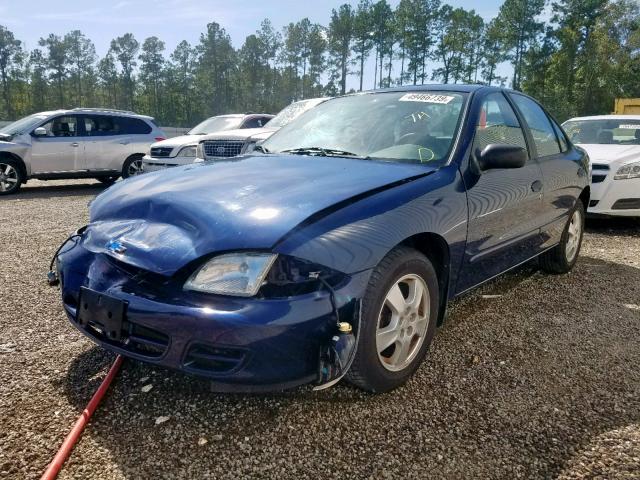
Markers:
534,376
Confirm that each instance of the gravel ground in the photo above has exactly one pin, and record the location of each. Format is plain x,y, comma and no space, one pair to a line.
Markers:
533,376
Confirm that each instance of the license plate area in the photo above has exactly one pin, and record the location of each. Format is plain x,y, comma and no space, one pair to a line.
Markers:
102,311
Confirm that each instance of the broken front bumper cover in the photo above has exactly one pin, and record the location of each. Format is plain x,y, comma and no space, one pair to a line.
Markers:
241,344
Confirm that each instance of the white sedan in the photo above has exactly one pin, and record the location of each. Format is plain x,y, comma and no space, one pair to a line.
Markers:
613,145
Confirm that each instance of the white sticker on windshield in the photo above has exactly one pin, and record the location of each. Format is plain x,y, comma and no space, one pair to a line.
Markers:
426,98
629,127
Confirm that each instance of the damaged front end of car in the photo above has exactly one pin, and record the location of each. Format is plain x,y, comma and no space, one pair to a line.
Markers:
299,326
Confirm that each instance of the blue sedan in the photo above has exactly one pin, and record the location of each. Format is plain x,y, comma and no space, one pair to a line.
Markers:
331,251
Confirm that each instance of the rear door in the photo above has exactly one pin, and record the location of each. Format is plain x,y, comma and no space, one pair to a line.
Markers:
108,142
61,150
560,168
504,204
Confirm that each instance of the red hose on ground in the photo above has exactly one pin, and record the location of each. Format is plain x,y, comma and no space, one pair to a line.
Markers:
56,464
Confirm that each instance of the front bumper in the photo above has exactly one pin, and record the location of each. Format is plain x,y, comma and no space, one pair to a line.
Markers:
154,164
612,197
241,344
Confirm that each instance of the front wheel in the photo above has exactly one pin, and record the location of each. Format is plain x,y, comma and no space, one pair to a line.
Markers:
132,166
399,316
11,177
562,257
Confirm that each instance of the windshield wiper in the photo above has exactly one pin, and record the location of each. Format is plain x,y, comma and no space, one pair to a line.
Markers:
324,152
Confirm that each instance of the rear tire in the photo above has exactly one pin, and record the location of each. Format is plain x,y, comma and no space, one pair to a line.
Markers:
398,322
11,176
562,257
132,166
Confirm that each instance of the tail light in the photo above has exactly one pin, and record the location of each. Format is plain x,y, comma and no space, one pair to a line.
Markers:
159,139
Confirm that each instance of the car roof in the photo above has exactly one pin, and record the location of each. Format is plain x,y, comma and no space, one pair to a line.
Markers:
100,111
440,87
607,117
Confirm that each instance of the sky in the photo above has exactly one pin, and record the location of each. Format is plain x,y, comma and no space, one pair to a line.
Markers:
175,20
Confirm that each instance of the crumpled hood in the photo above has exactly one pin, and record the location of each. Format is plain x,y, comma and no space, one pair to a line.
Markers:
611,154
164,220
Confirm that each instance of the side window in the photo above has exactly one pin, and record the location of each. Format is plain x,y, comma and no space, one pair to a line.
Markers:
66,126
100,126
564,145
544,136
131,126
498,124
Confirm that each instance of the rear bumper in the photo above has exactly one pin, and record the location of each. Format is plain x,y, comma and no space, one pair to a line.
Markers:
615,197
241,344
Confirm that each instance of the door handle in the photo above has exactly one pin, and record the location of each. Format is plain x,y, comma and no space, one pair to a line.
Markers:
536,186
124,143
75,144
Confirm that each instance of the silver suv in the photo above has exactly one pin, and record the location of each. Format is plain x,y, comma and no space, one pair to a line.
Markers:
78,143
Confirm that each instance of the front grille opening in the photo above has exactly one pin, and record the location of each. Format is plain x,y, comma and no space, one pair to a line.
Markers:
134,338
222,148
597,178
161,151
211,359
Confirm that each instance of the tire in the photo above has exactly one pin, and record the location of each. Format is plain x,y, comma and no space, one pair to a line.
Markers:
11,176
107,180
132,166
562,257
374,369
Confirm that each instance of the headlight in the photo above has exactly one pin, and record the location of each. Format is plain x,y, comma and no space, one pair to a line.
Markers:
238,274
200,151
250,148
630,170
189,151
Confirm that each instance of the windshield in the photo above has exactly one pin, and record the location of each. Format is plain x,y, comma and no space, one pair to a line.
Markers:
417,127
293,111
216,124
23,125
604,131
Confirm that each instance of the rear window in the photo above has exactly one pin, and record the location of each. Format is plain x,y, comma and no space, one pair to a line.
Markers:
604,131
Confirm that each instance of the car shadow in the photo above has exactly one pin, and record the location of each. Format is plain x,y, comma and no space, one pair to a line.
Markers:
525,372
624,226
43,190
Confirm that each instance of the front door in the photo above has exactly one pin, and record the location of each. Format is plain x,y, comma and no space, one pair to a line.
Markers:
61,150
504,204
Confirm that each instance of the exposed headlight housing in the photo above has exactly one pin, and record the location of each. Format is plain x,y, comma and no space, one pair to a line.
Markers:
237,274
250,147
189,151
630,170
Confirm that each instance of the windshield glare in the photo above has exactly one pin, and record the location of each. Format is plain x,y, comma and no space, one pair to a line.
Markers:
215,124
604,131
291,112
23,125
417,127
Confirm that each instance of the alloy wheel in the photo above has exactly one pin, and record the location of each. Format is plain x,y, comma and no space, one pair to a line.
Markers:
135,167
8,177
574,236
402,322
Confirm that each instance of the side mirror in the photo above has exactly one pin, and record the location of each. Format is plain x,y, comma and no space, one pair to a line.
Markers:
40,132
498,155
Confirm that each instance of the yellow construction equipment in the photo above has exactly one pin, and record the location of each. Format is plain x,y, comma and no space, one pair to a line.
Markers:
627,106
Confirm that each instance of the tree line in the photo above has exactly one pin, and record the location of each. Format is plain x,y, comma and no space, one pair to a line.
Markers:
582,56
